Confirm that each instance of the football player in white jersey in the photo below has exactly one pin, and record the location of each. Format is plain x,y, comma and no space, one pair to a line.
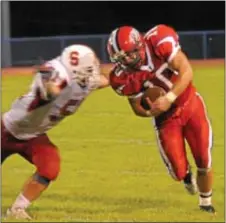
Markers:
58,89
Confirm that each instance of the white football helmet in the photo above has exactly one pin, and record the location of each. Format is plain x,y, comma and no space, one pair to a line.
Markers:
82,63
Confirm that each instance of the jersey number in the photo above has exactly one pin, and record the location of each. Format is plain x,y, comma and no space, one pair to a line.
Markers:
64,111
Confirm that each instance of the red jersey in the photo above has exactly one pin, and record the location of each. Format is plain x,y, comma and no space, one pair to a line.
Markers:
162,44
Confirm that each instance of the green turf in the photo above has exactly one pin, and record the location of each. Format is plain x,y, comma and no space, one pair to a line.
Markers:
111,168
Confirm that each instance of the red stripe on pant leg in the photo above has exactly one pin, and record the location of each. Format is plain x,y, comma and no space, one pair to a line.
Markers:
198,133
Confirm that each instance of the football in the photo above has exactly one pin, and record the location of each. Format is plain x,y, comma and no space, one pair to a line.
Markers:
153,93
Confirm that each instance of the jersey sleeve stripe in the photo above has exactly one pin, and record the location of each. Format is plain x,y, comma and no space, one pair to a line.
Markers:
167,39
136,95
173,54
175,47
115,40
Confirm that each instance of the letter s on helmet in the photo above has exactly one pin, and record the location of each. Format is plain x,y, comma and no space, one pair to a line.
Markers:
81,62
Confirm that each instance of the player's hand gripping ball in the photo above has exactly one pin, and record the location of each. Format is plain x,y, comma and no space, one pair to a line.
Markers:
152,93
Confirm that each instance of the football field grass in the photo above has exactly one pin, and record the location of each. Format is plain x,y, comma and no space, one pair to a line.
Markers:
111,167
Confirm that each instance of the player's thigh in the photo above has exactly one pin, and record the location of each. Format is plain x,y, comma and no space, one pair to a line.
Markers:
172,149
4,152
45,156
198,133
9,144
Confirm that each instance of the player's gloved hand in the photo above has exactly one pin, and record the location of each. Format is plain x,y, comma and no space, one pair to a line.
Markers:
46,73
49,82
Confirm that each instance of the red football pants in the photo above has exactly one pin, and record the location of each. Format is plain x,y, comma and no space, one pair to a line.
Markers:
189,123
39,151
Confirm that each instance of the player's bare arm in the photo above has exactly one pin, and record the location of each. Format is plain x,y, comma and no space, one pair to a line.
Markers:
105,69
104,81
181,64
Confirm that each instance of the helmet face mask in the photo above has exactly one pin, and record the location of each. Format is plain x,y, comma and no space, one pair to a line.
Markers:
84,75
87,66
130,59
81,76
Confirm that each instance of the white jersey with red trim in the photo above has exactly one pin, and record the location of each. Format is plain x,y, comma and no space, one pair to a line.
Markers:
31,116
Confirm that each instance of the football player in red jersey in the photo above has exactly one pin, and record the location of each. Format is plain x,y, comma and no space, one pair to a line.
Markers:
156,59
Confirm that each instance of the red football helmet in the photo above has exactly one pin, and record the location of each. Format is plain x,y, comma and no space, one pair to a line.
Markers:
127,47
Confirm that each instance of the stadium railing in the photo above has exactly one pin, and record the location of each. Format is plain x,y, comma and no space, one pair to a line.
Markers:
29,51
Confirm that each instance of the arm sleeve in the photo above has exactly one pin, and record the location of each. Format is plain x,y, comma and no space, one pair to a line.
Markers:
166,44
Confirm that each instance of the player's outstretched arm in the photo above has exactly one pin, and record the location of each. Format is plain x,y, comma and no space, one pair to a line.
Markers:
181,64
104,82
105,70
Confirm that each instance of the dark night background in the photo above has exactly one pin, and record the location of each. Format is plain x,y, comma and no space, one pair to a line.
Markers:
73,17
